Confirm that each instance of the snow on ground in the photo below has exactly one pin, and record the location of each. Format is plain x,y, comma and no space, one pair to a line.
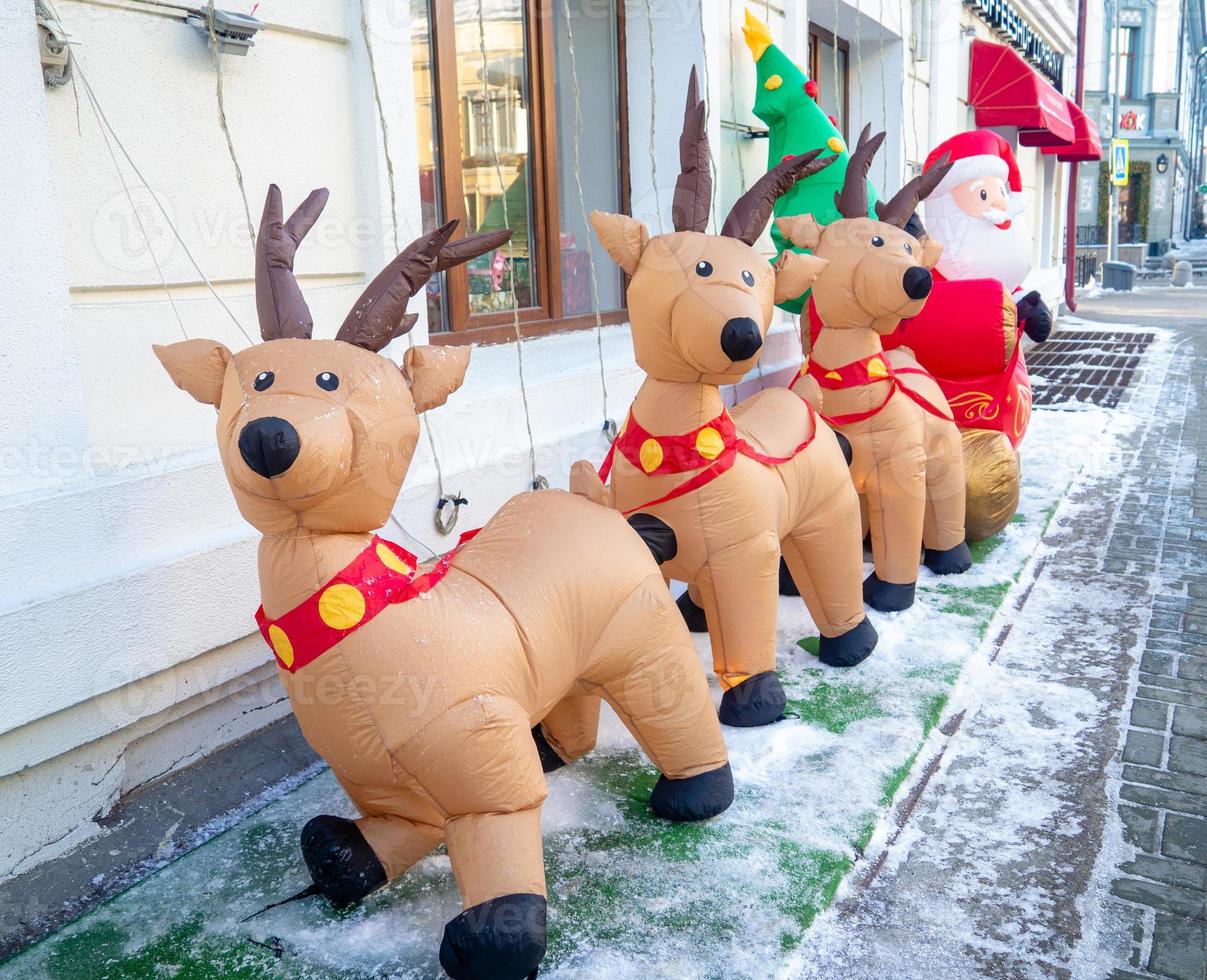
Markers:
630,896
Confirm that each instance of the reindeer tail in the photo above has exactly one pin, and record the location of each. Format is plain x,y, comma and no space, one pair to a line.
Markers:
585,481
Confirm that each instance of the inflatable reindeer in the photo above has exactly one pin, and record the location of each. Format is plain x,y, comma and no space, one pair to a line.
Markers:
425,709
734,488
907,461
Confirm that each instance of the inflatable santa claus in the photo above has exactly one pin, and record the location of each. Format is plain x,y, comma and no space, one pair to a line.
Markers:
968,334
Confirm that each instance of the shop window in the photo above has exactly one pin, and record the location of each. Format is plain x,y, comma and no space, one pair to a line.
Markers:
829,57
501,145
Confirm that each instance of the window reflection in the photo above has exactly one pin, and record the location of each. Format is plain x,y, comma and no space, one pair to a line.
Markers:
587,143
492,88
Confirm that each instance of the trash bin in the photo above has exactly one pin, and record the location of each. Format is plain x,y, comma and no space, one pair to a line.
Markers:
1119,275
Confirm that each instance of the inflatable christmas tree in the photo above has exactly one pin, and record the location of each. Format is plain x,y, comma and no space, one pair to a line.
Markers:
786,100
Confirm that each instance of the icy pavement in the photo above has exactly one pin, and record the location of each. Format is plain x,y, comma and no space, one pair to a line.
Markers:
952,790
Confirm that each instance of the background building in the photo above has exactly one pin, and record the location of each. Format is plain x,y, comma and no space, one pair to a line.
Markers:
126,635
1143,71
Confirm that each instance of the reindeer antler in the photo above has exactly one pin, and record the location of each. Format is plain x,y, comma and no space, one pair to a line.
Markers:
852,200
693,189
750,212
905,202
280,307
380,314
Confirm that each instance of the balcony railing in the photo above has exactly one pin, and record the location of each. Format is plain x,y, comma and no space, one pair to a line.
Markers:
1130,233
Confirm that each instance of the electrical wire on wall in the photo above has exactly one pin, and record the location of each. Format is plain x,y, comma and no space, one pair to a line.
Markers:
230,143
538,482
443,520
649,23
609,424
109,132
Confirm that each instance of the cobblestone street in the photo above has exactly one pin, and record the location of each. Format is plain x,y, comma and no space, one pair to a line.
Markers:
1110,803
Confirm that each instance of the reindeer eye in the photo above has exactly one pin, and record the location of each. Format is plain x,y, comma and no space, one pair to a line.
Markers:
703,269
748,277
877,241
909,249
327,381
263,380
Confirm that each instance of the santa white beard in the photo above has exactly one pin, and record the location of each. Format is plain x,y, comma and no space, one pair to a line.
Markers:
976,248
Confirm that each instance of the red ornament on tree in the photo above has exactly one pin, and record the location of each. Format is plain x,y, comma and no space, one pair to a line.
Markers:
812,88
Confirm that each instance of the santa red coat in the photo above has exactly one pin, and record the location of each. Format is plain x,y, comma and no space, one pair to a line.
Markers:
967,336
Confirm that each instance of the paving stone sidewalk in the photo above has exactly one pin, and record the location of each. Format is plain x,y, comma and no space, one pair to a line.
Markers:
1061,828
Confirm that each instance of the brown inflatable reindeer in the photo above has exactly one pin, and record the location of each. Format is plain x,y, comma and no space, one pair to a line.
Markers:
425,709
907,460
735,487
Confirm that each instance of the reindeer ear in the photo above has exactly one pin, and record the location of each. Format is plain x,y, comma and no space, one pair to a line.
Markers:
802,230
434,373
625,238
931,250
795,272
197,366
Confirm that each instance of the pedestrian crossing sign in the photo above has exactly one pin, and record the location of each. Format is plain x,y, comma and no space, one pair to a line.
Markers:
1119,155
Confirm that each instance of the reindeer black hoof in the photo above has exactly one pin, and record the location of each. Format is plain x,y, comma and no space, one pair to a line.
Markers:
503,939
693,615
949,562
787,584
887,596
340,860
658,536
758,700
694,798
550,760
845,445
854,646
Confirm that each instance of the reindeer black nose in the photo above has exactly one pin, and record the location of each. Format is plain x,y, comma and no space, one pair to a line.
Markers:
917,282
740,338
269,446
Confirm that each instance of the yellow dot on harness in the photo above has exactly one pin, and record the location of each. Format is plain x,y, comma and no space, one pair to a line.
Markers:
834,375
281,645
876,368
773,83
391,560
651,455
341,607
836,144
709,443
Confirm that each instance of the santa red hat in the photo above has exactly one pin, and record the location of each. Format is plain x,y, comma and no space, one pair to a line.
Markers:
980,153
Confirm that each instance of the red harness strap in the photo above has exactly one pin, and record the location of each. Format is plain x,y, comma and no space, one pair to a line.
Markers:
707,452
858,374
382,575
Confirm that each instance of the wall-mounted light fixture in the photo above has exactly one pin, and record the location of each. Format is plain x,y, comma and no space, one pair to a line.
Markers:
1162,163
231,33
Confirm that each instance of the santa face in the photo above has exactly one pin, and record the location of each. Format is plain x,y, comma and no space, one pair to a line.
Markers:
983,238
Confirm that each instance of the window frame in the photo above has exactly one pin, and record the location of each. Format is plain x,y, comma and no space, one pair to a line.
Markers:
547,316
842,44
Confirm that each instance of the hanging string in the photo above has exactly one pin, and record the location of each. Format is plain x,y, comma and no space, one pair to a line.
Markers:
230,144
609,424
99,110
381,121
444,521
138,221
649,21
538,482
733,109
884,69
712,161
838,88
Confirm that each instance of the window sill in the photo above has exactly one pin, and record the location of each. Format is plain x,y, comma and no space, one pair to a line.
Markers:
505,333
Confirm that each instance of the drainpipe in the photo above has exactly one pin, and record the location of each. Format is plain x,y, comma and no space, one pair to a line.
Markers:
1071,204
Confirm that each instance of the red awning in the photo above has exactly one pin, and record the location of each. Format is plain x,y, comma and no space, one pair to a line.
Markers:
1006,91
1086,146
